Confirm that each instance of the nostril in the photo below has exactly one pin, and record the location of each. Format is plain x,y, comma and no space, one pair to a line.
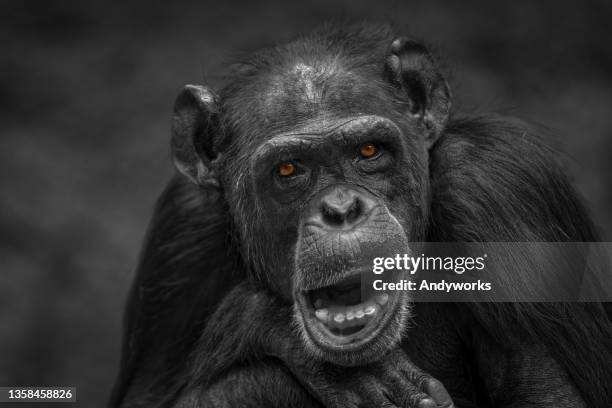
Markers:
354,211
331,216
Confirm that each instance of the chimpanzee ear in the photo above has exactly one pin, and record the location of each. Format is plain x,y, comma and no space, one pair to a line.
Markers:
412,69
194,129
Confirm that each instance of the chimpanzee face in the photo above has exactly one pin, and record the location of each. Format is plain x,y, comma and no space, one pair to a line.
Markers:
325,168
332,197
321,196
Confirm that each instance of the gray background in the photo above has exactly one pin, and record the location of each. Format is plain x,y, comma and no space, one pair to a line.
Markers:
86,93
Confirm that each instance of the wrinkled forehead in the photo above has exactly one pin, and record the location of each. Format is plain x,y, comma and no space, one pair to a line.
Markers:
301,93
308,89
307,86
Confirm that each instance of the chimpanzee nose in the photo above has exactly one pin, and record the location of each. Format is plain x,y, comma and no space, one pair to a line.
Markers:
344,207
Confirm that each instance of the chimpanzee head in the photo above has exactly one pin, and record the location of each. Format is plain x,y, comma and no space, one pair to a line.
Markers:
320,148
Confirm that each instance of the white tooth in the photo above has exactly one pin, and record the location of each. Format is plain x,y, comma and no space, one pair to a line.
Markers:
370,310
382,299
359,314
339,318
350,315
321,314
318,303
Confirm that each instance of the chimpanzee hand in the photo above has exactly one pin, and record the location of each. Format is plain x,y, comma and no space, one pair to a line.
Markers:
392,382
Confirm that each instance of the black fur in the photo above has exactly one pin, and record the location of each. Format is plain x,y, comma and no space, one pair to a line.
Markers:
496,181
185,269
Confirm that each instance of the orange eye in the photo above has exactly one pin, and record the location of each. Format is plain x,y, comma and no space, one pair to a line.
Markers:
286,169
368,150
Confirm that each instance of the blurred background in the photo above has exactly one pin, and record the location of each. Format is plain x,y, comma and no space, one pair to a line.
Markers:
86,93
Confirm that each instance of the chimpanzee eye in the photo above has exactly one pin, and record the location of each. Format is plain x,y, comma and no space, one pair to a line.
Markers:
285,169
368,150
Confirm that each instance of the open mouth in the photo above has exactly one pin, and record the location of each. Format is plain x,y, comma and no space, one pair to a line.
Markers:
345,315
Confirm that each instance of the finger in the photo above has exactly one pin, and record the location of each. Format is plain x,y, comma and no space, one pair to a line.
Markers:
375,395
382,402
415,398
406,394
437,391
434,388
427,384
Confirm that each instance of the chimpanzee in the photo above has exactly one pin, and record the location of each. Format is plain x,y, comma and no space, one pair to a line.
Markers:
316,155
